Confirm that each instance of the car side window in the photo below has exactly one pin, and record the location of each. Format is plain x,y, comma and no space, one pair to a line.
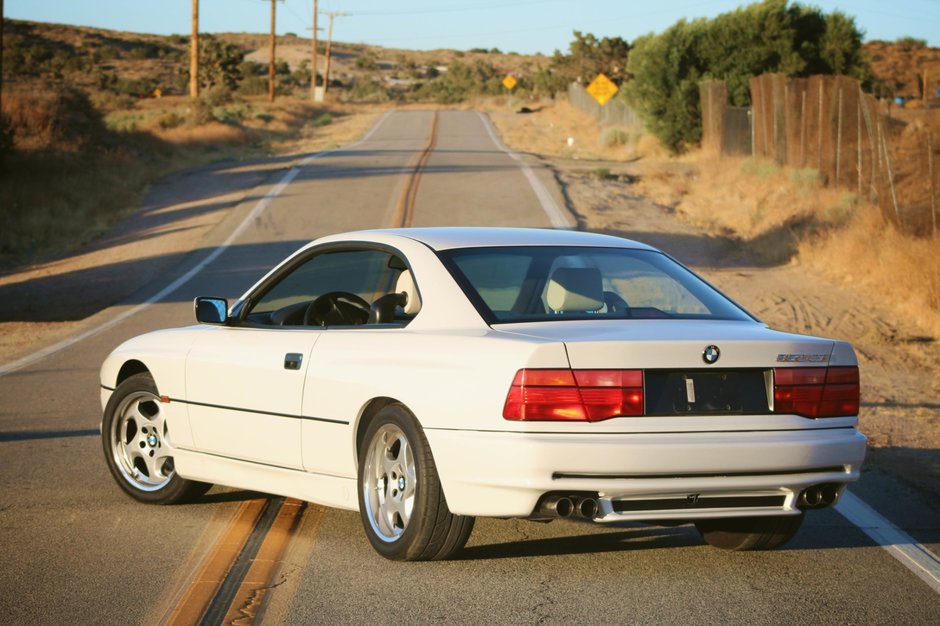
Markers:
334,288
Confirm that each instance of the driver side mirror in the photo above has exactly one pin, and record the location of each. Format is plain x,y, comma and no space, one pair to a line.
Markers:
211,310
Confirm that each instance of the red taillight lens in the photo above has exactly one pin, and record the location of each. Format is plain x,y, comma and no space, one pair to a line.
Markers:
574,395
816,391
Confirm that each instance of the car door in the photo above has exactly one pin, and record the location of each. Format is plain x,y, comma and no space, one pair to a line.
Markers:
244,387
245,381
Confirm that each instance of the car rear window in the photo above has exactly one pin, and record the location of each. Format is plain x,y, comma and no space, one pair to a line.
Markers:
549,283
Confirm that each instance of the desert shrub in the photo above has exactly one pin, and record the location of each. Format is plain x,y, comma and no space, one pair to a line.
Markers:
805,179
761,168
368,89
216,96
368,61
463,80
56,117
170,119
110,101
231,113
321,119
253,86
615,137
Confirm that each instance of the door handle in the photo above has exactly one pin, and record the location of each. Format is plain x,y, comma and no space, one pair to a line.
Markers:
292,360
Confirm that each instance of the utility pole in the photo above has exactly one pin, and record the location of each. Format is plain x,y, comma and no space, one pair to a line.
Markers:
193,54
329,43
273,51
313,65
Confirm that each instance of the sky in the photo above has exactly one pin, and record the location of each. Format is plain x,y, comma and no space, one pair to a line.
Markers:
525,26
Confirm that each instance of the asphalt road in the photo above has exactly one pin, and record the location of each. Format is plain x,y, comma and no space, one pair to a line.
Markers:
76,550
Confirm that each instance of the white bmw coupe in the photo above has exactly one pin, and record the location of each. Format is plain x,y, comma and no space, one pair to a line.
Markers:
427,376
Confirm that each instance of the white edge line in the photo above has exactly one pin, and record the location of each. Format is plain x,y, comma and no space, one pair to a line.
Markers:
898,543
555,215
255,213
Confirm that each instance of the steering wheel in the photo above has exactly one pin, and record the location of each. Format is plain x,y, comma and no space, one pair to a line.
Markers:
337,308
616,304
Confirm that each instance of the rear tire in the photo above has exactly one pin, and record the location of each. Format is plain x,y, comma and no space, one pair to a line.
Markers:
137,445
401,503
749,533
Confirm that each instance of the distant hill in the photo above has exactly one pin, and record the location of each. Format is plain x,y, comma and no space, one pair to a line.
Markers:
132,63
900,66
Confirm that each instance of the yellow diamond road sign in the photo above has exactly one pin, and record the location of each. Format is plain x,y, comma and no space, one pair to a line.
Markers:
601,89
509,82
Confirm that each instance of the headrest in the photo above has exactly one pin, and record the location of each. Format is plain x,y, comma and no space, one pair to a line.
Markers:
406,285
575,289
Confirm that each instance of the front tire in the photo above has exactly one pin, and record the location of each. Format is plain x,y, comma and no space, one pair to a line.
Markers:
401,503
749,533
137,445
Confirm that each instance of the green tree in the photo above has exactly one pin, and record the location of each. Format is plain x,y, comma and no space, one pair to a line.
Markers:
219,63
588,55
769,36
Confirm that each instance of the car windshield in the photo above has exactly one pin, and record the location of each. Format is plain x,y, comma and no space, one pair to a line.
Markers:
525,284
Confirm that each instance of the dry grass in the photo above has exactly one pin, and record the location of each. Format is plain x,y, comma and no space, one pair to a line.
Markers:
548,130
889,265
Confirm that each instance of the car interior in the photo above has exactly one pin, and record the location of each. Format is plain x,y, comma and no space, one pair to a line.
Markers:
344,288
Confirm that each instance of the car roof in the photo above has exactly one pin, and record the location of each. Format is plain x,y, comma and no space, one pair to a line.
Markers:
446,238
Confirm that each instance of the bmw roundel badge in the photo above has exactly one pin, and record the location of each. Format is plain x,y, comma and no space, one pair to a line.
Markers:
711,354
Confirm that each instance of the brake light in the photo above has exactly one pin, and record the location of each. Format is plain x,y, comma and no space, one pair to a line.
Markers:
816,391
574,395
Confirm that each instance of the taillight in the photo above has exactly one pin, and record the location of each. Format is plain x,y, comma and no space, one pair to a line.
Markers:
816,391
574,395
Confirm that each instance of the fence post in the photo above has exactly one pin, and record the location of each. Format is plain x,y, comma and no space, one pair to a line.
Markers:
894,193
858,143
839,138
819,130
803,127
933,183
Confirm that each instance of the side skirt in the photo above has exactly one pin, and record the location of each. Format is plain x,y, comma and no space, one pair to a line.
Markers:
333,491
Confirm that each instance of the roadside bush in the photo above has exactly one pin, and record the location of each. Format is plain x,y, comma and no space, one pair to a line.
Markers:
55,117
368,89
770,36
253,86
322,119
614,137
461,81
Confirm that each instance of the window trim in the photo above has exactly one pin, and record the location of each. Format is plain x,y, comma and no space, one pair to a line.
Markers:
242,307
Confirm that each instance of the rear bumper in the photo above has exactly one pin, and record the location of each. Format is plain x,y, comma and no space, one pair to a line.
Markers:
503,474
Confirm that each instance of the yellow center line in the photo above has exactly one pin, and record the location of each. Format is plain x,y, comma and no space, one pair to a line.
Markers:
260,576
208,580
404,212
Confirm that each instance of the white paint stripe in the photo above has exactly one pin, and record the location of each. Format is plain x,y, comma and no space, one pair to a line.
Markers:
256,212
555,215
898,543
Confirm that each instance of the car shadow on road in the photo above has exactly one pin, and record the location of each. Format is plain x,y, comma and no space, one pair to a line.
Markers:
622,540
